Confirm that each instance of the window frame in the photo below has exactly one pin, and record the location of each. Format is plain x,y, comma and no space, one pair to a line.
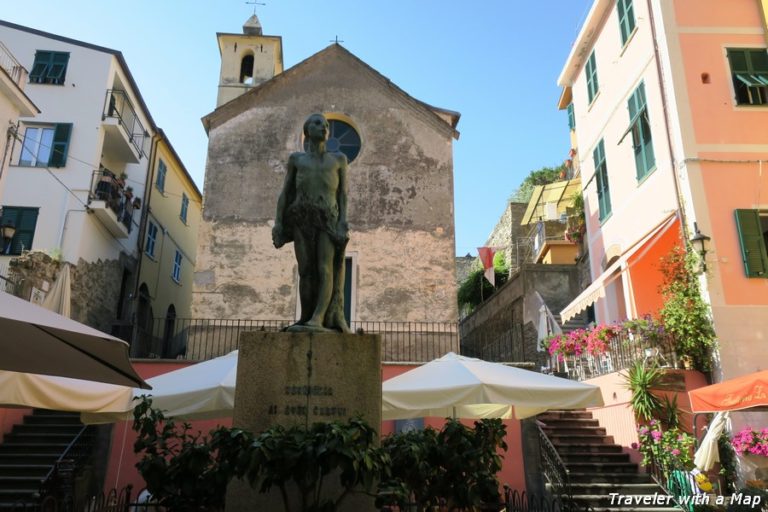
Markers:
571,116
640,128
162,172
749,78
23,233
184,208
43,67
601,181
57,147
751,240
627,21
593,85
178,258
152,230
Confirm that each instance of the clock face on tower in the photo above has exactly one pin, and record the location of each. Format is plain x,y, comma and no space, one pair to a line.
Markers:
342,138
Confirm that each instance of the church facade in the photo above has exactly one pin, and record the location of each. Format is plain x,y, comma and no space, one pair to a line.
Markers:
400,259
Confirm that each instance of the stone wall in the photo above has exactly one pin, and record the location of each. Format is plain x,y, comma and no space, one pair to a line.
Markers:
507,231
95,287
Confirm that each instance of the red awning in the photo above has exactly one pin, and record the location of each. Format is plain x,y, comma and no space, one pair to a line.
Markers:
732,395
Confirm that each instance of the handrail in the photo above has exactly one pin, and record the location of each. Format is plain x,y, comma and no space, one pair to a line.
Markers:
555,469
118,105
67,463
12,66
675,481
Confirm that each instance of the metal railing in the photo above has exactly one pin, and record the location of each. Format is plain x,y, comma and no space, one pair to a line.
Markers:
512,500
117,105
105,186
7,285
621,352
112,501
202,339
496,339
15,70
554,468
676,482
60,480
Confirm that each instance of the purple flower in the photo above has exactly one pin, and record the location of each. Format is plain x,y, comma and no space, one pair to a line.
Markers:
634,446
656,435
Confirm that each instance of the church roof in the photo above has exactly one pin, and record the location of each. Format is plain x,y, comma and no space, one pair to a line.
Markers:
441,118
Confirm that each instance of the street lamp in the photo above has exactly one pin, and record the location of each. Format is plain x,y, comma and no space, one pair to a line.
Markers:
700,239
7,230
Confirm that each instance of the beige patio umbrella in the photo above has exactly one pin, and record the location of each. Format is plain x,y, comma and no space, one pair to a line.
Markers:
36,340
59,299
464,387
707,454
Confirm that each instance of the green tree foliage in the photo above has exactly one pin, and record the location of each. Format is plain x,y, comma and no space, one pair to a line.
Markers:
640,380
457,464
543,176
470,293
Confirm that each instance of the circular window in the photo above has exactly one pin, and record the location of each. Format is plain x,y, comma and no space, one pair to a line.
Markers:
341,137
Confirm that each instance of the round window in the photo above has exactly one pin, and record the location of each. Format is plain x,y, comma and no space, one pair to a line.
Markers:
341,137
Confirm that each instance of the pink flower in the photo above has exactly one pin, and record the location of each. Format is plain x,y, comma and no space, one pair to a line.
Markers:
656,435
634,446
675,452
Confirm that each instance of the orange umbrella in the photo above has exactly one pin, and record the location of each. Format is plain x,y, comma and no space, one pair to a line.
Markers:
732,395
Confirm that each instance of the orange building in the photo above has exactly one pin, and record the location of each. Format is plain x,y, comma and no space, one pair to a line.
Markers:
668,105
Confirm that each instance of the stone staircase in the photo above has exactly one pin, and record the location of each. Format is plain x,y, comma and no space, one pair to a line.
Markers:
29,452
598,467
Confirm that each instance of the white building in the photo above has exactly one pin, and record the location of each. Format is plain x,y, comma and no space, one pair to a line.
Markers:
78,170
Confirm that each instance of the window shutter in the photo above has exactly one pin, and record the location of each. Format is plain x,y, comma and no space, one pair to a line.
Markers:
752,244
571,117
25,221
60,145
39,67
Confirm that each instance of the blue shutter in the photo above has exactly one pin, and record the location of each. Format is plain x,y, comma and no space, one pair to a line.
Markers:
60,147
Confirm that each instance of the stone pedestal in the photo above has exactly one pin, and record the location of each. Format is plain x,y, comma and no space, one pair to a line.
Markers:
297,379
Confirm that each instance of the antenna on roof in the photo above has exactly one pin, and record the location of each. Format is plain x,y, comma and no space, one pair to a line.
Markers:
337,40
254,4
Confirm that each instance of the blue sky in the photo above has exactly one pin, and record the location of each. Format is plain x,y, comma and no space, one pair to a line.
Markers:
494,61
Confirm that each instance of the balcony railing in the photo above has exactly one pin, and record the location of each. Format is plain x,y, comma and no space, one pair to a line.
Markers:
118,106
621,352
112,190
496,339
15,70
202,339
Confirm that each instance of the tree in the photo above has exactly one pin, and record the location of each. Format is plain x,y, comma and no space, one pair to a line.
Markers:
475,288
543,176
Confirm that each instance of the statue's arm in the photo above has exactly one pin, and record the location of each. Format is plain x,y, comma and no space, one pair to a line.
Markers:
289,185
341,198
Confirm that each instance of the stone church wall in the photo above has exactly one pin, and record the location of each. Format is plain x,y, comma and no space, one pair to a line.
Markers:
400,200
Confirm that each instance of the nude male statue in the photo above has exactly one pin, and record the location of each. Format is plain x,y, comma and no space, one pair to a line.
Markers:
312,212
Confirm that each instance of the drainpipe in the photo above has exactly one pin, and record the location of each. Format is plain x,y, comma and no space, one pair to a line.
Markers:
665,107
142,226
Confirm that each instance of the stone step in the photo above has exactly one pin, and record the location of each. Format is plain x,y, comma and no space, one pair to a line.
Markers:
604,489
38,437
51,419
566,448
550,415
657,502
29,458
569,422
613,478
579,439
593,457
20,483
13,495
558,430
34,470
40,448
603,467
60,428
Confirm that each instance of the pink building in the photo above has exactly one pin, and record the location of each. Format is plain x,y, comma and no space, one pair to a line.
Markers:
668,103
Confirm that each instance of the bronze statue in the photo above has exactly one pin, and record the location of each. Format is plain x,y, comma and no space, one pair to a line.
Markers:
312,213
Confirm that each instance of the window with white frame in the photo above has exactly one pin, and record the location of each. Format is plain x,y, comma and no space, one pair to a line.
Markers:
176,273
45,145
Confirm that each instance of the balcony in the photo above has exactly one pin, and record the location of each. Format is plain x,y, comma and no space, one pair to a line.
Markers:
15,70
125,136
113,203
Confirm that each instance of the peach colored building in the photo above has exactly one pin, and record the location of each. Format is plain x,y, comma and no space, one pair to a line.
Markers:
668,101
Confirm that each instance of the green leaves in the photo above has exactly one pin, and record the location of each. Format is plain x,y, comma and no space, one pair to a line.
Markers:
640,379
457,464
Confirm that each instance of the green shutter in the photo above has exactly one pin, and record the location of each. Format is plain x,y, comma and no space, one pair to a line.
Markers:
752,243
60,145
40,67
25,221
626,19
591,72
571,117
601,180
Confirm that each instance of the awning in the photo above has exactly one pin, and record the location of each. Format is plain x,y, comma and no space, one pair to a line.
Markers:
743,392
596,290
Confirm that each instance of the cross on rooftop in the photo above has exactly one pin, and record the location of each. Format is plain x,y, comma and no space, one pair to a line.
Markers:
337,40
254,4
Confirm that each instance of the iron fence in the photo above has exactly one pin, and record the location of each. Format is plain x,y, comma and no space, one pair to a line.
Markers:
105,186
496,339
512,500
202,339
15,70
554,468
621,352
117,105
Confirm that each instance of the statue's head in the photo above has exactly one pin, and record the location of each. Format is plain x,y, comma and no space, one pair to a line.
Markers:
316,127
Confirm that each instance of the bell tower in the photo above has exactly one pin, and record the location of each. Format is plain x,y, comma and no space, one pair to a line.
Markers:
247,60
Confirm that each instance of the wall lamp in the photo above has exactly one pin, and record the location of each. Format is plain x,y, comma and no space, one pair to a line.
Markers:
7,230
700,239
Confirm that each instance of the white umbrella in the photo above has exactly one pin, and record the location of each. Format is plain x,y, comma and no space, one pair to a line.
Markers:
465,387
707,454
36,340
200,391
58,299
